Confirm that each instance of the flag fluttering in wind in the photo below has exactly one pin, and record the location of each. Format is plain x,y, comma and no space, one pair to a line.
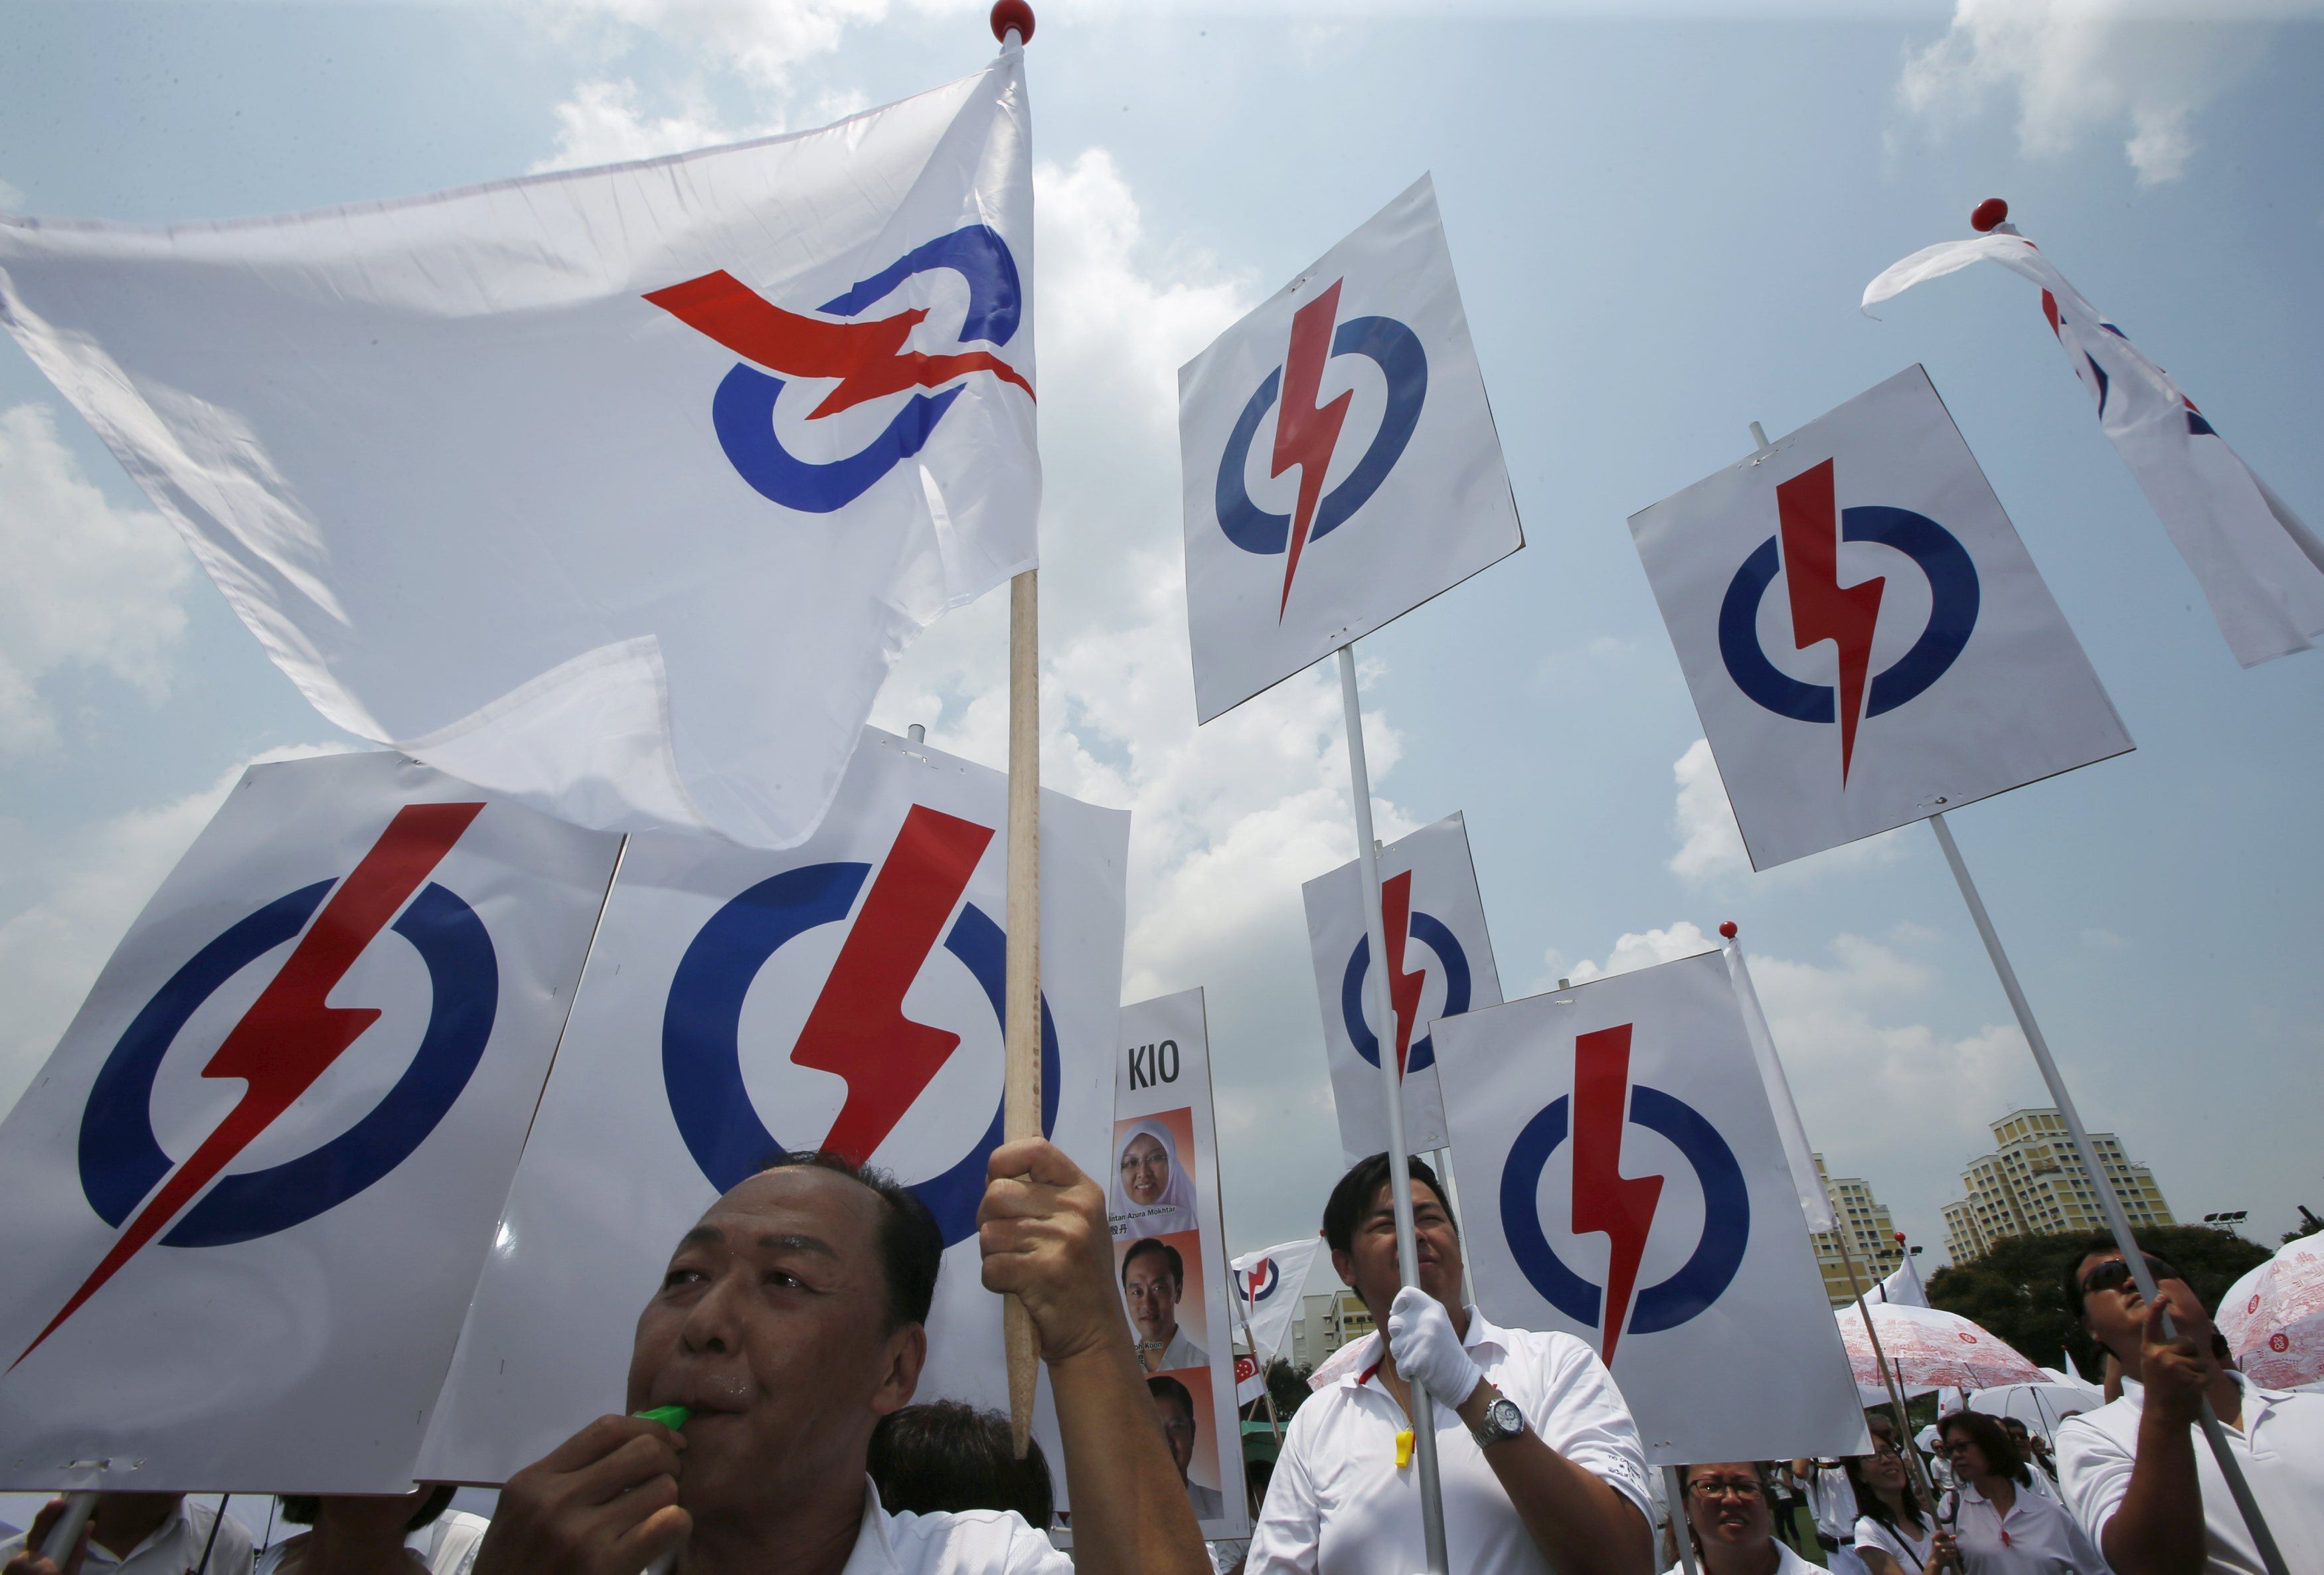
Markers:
616,491
1268,1285
2261,567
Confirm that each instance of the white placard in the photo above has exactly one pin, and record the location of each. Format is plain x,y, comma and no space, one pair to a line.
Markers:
690,1062
1267,1286
1439,964
1339,462
1169,1247
1866,638
1624,1181
340,1006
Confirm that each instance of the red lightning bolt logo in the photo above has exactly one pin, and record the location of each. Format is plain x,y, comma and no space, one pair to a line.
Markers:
869,359
1403,988
1604,1199
1306,433
290,1035
1821,607
857,1028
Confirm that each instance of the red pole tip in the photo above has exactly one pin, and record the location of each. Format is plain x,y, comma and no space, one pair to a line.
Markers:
1981,218
1012,15
1728,929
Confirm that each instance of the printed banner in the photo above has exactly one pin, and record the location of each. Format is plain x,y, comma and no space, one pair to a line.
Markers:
1268,1287
1358,376
512,477
1625,1183
1169,1248
738,1003
1439,964
1865,640
250,1192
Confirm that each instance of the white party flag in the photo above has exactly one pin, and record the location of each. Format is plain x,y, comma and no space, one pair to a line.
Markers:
617,492
1440,963
250,1193
1816,1203
1624,1182
844,995
1359,376
2261,567
1267,1286
1866,641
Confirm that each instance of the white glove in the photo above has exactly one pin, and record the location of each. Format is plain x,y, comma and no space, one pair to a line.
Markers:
1420,1336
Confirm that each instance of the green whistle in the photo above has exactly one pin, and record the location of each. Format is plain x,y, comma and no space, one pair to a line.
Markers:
672,1417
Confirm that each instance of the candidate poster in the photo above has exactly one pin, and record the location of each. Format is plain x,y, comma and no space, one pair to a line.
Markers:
846,994
1339,459
1170,1249
1267,1286
1624,1182
249,1194
1866,638
1439,964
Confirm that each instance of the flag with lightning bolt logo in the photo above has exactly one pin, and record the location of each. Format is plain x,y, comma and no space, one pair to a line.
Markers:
1866,638
617,492
1340,466
1440,962
261,1172
844,994
1625,1184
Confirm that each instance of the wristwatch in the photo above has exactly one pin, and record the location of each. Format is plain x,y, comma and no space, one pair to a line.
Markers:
1503,1422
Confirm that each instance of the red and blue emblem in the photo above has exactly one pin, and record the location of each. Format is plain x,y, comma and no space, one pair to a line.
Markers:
1403,925
279,1049
1811,529
857,1028
1258,1282
866,355
1622,1208
1307,432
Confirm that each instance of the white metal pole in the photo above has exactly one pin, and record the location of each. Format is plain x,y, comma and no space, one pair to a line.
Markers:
1399,1189
2102,1186
78,1507
1679,1526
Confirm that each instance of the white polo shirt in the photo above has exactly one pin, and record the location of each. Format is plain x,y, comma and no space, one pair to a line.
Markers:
1338,1505
969,1541
174,1547
1787,1562
2036,1537
2280,1446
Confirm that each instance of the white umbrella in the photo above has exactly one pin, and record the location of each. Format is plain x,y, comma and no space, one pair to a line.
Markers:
2273,1319
1929,1350
2040,1406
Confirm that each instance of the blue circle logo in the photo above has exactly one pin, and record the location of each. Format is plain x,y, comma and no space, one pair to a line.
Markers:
122,1161
1697,1283
1432,934
1259,1282
701,1045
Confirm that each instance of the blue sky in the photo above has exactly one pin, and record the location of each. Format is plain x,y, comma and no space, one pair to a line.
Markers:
1661,222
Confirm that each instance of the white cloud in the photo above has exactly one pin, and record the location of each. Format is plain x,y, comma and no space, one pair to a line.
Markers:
1683,939
88,585
84,890
1709,843
602,124
763,40
11,197
2137,69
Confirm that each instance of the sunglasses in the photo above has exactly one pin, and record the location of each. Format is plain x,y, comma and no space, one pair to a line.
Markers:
2115,1274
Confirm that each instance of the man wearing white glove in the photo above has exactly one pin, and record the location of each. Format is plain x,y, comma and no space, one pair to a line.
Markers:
1539,1460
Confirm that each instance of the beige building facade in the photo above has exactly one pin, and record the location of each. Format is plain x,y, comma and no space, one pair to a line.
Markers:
2034,1183
1871,1237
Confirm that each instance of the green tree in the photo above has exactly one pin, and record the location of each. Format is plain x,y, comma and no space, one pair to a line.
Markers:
2017,1290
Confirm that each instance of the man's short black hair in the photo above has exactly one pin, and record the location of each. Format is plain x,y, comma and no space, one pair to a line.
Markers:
1163,1387
301,1508
1147,1246
2070,1274
947,1457
911,1244
1351,1199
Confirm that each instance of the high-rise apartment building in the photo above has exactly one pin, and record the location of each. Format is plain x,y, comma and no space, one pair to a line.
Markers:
2034,1184
1871,1237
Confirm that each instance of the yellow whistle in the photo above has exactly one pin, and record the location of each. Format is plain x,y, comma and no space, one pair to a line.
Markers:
1404,1449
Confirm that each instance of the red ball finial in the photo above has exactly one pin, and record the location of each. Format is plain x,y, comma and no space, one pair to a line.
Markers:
1981,218
1015,16
1728,929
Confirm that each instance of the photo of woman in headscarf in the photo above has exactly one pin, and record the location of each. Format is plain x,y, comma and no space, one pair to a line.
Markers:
1153,1195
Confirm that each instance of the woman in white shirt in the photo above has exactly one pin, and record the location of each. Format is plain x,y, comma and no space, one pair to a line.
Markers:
1895,1531
1998,1524
408,1534
1730,1521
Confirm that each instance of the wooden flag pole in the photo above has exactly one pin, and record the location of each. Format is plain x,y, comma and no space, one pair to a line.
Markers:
1021,1099
2102,1186
1423,1414
1914,1465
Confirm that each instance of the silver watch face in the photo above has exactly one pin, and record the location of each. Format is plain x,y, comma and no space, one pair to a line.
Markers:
1503,1420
